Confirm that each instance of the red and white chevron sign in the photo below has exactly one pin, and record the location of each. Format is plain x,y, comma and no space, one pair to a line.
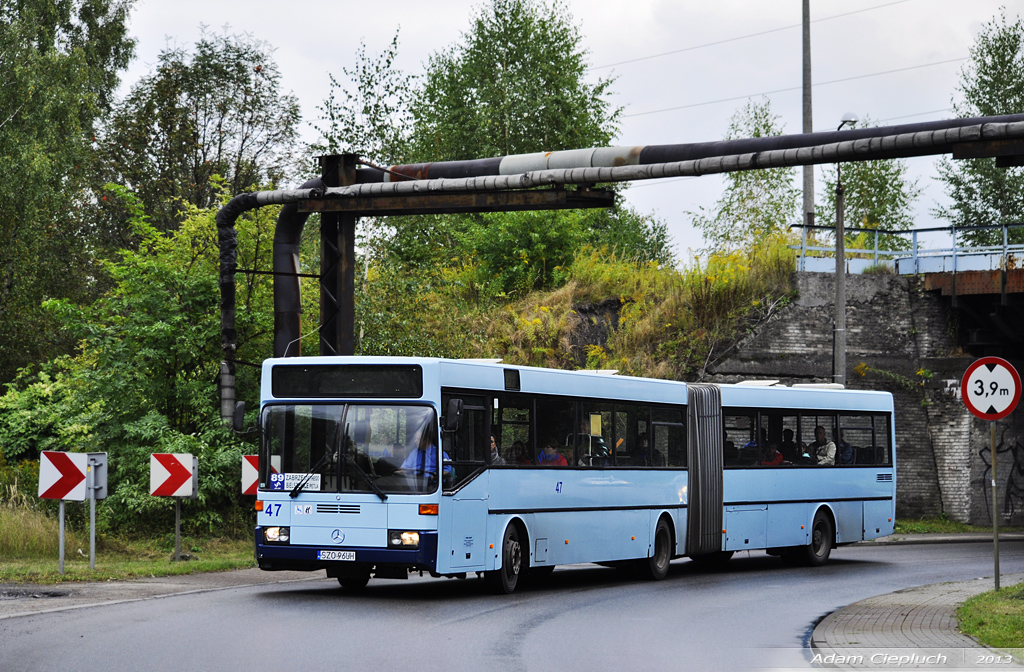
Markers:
250,474
172,475
62,475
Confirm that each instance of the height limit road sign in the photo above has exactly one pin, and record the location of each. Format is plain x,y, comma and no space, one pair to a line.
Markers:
990,388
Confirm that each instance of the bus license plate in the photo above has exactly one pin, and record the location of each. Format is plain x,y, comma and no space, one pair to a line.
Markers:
336,555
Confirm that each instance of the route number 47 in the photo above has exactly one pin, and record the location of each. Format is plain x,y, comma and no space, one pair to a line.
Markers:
272,509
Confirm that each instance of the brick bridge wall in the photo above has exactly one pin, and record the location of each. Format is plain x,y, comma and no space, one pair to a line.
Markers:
896,329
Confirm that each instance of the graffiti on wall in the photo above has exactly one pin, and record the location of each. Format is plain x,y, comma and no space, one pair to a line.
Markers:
1013,485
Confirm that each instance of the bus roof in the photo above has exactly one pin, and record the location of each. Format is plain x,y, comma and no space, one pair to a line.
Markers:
489,375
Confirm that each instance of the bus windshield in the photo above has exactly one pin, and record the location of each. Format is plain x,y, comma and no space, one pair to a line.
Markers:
364,448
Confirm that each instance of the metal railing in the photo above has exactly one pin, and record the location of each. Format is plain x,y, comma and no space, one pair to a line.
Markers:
917,259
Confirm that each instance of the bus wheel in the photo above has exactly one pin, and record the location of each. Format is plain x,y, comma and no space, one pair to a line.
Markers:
354,583
816,553
504,580
655,567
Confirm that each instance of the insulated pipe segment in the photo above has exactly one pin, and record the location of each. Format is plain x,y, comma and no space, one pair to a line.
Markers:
607,157
849,149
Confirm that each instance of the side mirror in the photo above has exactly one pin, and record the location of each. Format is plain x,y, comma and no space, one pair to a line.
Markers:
238,419
453,415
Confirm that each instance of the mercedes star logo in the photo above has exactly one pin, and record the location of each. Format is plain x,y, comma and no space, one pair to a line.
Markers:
338,536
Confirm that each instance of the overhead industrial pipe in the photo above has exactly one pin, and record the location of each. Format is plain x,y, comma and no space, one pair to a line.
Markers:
577,166
644,155
917,143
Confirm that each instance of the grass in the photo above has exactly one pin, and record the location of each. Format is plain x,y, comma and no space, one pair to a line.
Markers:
995,618
942,525
30,554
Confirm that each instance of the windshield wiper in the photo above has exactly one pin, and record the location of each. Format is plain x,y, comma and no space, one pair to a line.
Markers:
366,477
327,455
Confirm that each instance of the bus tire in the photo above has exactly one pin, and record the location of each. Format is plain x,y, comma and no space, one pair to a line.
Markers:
354,583
655,568
504,580
815,554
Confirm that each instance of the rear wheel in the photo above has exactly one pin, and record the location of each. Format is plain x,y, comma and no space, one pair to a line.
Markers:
655,567
823,536
505,579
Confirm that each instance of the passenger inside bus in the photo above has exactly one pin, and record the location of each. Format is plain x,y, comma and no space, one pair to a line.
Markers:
550,457
789,450
822,451
496,457
522,456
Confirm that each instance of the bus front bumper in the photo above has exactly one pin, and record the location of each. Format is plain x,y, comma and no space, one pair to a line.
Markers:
279,557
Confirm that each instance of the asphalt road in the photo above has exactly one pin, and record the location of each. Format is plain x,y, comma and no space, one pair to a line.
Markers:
758,613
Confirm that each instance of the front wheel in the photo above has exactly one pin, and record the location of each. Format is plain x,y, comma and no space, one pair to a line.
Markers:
505,579
354,583
655,567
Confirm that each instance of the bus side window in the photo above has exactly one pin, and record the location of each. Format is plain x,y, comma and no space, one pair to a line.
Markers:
594,436
741,443
511,421
669,436
882,450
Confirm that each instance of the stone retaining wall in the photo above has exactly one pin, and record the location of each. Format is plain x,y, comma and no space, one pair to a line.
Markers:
901,334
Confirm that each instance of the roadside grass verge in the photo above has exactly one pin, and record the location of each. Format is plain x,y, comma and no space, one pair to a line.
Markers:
29,552
942,525
995,619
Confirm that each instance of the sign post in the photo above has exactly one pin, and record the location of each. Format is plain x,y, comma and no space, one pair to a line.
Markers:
991,389
97,489
62,476
174,475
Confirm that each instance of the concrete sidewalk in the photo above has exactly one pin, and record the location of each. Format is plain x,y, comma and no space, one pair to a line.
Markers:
915,628
944,538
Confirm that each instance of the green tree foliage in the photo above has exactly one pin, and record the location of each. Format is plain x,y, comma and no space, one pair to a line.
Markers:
370,115
876,195
515,84
756,203
58,68
144,379
992,83
217,109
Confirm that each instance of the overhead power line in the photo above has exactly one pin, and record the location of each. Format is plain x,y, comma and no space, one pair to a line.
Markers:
794,88
742,37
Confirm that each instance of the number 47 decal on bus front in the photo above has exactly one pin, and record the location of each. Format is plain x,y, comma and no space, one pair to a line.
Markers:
558,486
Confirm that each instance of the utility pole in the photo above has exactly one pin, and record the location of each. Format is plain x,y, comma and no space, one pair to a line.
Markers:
808,210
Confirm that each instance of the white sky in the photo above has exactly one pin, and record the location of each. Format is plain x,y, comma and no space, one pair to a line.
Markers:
314,38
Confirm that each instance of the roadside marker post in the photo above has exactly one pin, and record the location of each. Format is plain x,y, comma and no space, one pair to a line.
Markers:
991,389
250,474
62,476
174,475
96,470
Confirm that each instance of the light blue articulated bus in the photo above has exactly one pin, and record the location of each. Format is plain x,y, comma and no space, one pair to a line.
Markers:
382,466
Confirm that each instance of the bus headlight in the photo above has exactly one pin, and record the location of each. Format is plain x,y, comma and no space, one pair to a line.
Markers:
276,535
403,538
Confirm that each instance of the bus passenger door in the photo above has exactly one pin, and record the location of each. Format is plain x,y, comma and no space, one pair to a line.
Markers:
464,521
704,453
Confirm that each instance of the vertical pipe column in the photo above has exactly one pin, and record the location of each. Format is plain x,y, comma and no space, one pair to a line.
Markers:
839,343
337,263
808,117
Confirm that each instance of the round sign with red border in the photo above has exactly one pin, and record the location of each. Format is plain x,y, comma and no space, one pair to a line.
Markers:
990,388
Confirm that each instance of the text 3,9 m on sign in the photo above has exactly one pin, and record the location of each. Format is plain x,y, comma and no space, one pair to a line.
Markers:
990,388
